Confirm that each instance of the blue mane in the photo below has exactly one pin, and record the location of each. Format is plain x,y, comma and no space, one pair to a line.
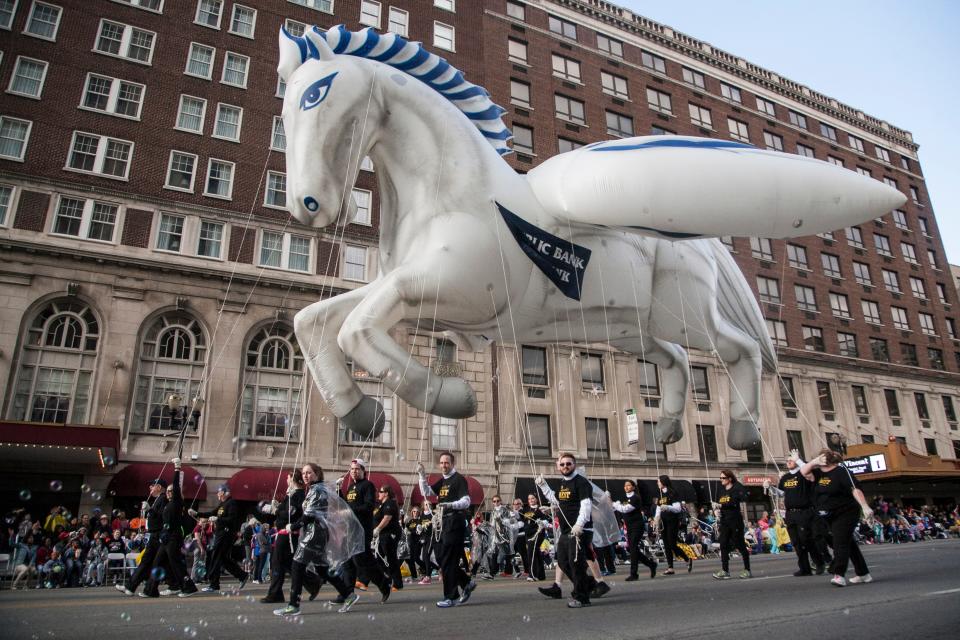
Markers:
413,59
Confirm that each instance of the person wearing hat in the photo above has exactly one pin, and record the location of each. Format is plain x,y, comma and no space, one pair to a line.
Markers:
226,525
170,557
153,512
363,569
797,494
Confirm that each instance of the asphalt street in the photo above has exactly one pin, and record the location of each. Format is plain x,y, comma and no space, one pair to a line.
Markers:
916,591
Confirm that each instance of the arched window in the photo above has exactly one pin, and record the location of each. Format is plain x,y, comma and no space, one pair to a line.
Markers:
272,385
57,364
172,357
374,388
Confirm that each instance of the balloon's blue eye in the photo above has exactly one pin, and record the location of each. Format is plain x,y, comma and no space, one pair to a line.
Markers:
316,92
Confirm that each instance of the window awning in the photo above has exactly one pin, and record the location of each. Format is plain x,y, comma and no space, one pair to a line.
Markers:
258,484
134,480
59,443
378,479
473,488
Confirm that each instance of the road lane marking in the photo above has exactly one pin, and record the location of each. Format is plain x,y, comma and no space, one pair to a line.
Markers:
943,593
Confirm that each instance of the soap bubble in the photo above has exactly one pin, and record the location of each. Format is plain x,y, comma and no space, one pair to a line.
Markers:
56,485
526,618
198,479
96,496
108,461
371,617
25,494
242,619
125,616
251,599
299,620
423,609
190,632
158,574
85,488
202,623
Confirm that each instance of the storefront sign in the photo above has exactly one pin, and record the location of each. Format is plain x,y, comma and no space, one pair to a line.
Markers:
866,464
757,481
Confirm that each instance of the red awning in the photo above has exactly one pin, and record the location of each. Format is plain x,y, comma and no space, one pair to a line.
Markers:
473,488
134,480
259,484
378,479
55,444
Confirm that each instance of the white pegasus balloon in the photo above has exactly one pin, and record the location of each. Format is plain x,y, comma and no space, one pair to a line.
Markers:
574,251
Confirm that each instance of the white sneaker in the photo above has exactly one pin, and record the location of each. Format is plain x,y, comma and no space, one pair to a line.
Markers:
864,579
838,581
169,592
348,602
122,588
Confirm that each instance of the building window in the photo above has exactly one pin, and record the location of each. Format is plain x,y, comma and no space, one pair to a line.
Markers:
948,410
653,61
900,320
614,85
517,51
900,220
738,130
908,354
772,141
286,251
43,21
840,305
649,381
864,172
243,22
148,5
354,263
534,364
847,345
539,432
219,179
797,256
373,388
208,13
707,438
861,273
657,130
172,358
892,402
366,164
275,194
918,288
700,116
882,244
915,196
797,119
609,45
871,311
444,434
520,93
935,356
449,5
397,20
272,384
57,362
924,229
591,371
769,290
932,259
566,68
562,27
731,93
855,143
444,36
778,333
890,182
909,252
825,396
806,297
693,77
813,339
516,10
191,114
920,400
795,441
14,135
7,10
828,132
108,157
700,384
124,41
854,237
931,446
879,350
564,145
235,70
926,324
882,154
761,248
619,125
87,219
523,139
6,200
278,138
659,101
569,109
905,163
951,325
27,78
598,443
831,265
319,5
228,122
767,107
891,281
210,240
942,293
170,233
295,27
835,160
654,450
363,200
200,61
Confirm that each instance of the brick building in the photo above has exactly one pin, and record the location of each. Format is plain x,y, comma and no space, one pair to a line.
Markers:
147,249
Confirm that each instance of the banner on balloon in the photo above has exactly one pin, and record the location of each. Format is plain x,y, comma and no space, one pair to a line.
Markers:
560,260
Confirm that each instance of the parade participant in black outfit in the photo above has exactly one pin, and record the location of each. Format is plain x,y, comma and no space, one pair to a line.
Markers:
416,538
840,501
362,498
170,556
426,520
631,510
732,515
387,532
328,532
669,510
285,542
573,499
226,525
153,512
520,538
453,500
797,494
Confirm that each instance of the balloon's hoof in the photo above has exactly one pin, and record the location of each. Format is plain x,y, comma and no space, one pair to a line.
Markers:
366,419
455,400
668,430
743,435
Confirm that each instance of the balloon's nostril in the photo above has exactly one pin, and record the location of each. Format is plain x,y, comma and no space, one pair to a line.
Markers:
311,203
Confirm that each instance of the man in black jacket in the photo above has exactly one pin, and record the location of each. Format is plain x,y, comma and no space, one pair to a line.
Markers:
631,509
362,498
226,524
797,494
170,562
153,512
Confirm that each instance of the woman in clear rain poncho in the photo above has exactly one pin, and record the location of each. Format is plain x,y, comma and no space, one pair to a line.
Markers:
329,536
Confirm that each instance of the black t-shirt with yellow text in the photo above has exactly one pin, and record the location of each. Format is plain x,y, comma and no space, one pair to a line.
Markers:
388,508
361,497
730,501
797,491
569,496
834,489
450,489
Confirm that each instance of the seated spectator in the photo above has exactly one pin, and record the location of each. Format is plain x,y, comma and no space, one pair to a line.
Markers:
24,561
52,572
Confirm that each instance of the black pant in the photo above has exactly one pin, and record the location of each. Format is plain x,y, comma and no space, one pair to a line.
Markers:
845,549
363,567
300,577
450,555
671,530
635,547
388,552
221,558
572,559
415,561
520,548
281,563
821,537
142,574
606,558
170,559
731,537
535,557
800,529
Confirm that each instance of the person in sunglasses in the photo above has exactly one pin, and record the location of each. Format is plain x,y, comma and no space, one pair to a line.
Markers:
732,499
387,532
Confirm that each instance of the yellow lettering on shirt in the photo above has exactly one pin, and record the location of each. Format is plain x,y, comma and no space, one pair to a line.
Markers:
563,494
824,482
352,494
724,499
221,511
444,490
790,484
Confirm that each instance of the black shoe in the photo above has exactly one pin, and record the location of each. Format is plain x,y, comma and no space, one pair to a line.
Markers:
337,600
689,565
821,569
269,600
653,570
553,591
631,578
384,593
313,595
243,580
800,572
599,591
